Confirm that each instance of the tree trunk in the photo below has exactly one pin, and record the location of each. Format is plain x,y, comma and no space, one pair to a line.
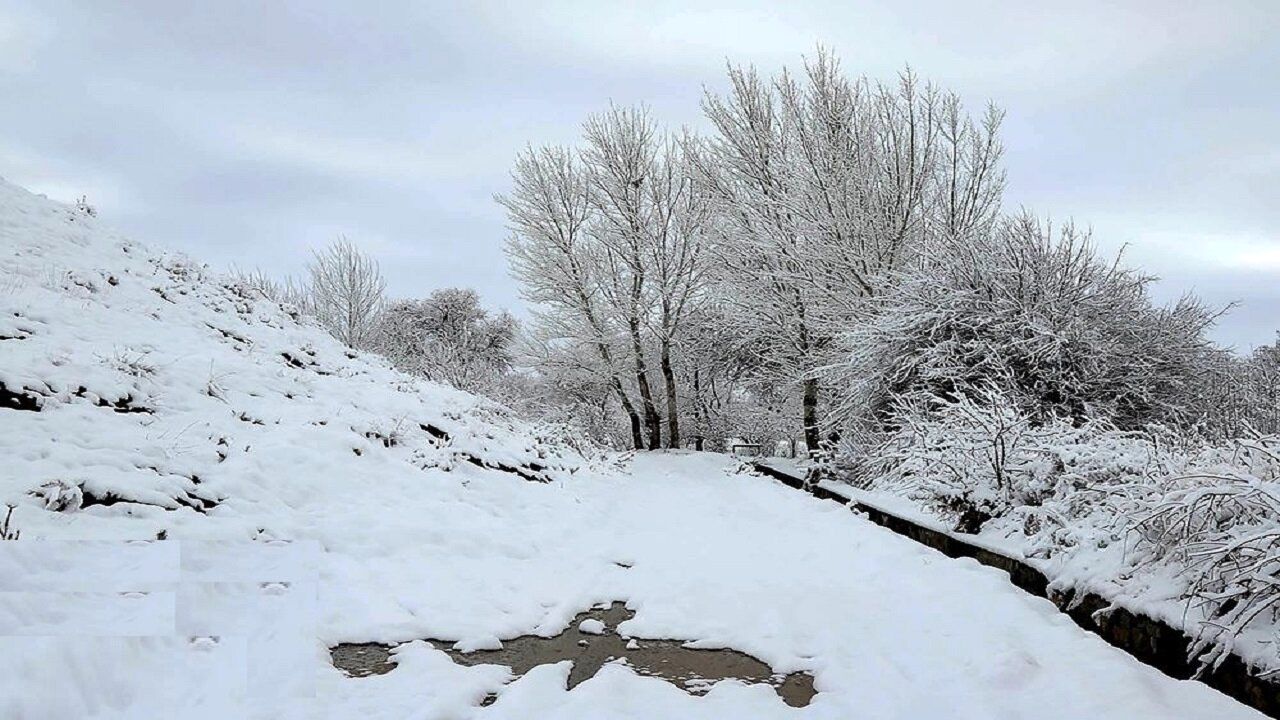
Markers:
607,357
627,406
630,409
811,415
701,416
809,411
636,439
673,410
652,422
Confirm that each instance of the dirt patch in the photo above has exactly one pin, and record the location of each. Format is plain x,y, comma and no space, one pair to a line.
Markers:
18,400
692,670
362,659
529,472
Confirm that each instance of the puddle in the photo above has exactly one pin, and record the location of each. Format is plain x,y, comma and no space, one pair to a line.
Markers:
693,671
362,659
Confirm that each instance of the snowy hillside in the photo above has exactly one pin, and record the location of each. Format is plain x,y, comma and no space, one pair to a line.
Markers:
210,494
143,396
151,380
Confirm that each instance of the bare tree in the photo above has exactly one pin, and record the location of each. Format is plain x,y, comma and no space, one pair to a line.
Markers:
676,253
826,189
448,337
620,158
347,291
554,259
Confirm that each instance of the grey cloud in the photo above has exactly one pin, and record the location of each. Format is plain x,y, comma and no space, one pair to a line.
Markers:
246,132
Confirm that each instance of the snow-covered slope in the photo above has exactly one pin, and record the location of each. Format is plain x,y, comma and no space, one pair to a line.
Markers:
309,497
144,396
148,379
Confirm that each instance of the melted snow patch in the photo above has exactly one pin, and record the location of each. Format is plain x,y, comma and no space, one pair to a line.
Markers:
591,643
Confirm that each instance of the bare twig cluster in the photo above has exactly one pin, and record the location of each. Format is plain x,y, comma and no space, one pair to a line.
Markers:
7,531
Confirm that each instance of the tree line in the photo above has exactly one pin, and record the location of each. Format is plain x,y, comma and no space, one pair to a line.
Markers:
831,249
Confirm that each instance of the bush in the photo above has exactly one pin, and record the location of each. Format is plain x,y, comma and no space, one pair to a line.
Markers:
1220,527
981,457
448,337
1155,514
1061,332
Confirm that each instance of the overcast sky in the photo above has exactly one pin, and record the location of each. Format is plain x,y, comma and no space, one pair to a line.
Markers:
247,133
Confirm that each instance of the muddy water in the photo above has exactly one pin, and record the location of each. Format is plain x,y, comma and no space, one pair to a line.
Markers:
694,671
362,659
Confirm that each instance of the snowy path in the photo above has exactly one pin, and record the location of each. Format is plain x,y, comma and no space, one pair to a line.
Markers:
311,496
890,629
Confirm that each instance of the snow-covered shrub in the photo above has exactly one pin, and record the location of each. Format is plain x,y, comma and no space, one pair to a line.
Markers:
568,435
292,293
973,458
1220,527
982,457
1243,393
1063,332
60,496
130,363
83,206
447,337
1159,513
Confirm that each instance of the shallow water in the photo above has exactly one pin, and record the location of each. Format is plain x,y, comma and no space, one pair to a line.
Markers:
692,670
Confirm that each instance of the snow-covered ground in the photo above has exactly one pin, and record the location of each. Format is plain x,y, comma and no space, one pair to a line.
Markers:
309,496
1132,517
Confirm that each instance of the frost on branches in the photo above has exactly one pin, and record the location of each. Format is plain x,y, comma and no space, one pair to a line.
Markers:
1179,528
447,337
1219,524
1061,330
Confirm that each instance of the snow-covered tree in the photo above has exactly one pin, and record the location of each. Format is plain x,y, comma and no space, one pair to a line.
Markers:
346,291
826,189
620,157
675,249
559,265
651,223
448,337
1040,315
608,246
758,241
